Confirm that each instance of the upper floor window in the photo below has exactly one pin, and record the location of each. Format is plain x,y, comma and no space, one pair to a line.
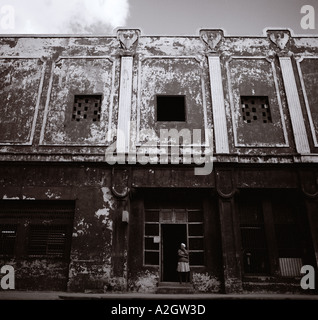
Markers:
171,108
87,107
255,109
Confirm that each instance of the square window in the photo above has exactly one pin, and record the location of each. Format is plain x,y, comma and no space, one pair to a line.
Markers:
91,105
255,109
171,108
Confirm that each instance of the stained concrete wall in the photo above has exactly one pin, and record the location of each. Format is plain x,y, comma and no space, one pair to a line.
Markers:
46,155
89,264
41,75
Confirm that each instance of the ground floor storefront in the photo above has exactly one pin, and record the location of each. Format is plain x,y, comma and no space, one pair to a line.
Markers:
85,227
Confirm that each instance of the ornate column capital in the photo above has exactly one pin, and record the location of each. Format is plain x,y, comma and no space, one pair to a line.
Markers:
128,39
212,39
120,182
281,39
225,183
309,183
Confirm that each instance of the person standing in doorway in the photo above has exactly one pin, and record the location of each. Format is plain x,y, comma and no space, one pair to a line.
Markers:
183,263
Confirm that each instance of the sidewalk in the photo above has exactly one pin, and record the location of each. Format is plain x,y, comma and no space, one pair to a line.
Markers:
43,295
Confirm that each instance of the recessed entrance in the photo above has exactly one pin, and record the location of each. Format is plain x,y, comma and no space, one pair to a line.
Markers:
172,236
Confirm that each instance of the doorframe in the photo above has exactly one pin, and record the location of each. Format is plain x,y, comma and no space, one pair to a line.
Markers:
161,270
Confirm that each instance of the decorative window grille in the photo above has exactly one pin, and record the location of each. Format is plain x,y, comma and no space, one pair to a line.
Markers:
87,107
255,109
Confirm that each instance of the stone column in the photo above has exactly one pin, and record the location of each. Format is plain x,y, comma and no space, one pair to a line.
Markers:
281,40
212,39
125,92
231,247
309,185
120,220
128,39
218,107
294,106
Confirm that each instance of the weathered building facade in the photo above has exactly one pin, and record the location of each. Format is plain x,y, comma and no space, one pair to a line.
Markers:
74,218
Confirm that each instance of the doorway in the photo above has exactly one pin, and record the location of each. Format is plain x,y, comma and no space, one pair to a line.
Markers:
172,236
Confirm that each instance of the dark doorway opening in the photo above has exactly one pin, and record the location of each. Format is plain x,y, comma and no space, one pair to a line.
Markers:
172,236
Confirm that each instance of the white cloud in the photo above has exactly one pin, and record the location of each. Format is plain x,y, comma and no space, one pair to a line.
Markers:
66,16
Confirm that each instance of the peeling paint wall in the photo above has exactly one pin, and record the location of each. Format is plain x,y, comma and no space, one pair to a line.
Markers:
44,155
39,274
89,267
205,283
20,81
40,76
78,77
256,77
144,282
171,76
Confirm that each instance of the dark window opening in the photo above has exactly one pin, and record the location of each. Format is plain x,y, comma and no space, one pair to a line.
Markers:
255,109
275,220
87,107
289,232
171,108
152,258
8,234
44,226
49,240
196,258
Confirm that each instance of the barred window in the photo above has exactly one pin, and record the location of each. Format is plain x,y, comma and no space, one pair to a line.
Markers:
45,227
255,109
47,240
87,107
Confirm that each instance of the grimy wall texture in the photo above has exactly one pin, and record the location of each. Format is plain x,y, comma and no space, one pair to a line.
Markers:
71,220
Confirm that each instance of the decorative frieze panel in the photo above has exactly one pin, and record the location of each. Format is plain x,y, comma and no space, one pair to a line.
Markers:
296,115
250,76
21,84
161,177
308,72
171,76
73,77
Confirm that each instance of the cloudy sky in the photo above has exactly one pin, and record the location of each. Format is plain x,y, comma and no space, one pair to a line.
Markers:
153,17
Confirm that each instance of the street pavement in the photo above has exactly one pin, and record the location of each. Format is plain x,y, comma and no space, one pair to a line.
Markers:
55,295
